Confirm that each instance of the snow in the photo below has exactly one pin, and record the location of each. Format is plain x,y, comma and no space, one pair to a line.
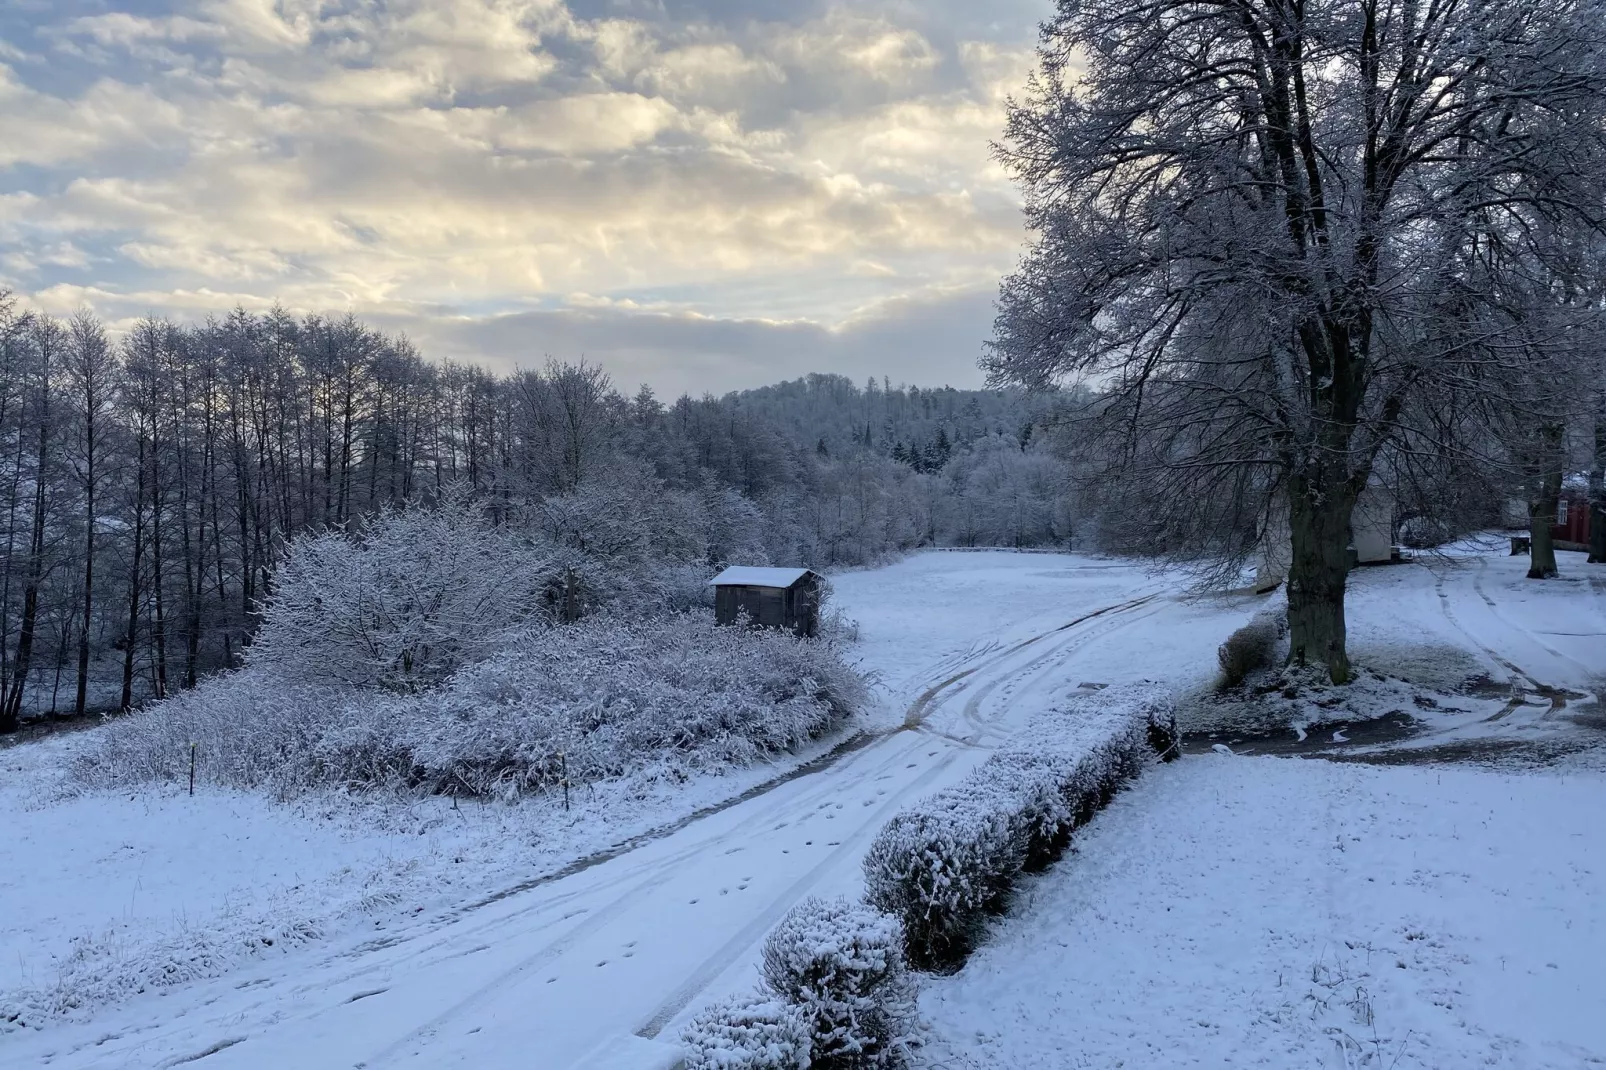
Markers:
1272,912
517,934
756,576
106,872
634,1053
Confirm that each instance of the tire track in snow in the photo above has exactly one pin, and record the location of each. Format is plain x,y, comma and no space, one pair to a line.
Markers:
1494,610
1118,618
1556,697
597,920
922,706
1511,667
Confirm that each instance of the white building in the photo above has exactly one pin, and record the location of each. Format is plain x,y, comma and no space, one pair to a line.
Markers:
1371,537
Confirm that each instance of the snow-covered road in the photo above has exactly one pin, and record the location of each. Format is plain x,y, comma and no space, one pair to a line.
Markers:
966,647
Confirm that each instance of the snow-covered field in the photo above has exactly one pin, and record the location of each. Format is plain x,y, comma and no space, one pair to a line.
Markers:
1283,913
430,905
448,935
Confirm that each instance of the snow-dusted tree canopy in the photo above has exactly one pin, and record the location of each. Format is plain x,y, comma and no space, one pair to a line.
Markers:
1264,229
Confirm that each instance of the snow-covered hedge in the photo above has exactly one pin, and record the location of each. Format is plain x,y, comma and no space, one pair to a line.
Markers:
755,1032
668,697
944,864
842,965
1252,648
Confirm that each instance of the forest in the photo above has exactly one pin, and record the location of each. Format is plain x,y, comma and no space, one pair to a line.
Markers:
151,482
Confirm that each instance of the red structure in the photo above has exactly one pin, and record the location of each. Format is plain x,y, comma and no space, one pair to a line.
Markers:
1572,520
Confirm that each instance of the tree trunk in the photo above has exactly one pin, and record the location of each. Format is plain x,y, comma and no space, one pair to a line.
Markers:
1541,518
158,582
1318,523
1542,505
13,498
1597,490
132,634
81,696
11,704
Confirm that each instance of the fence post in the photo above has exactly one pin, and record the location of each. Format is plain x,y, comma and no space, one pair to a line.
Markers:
192,770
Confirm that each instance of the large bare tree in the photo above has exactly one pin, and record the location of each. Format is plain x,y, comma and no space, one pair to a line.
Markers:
1247,217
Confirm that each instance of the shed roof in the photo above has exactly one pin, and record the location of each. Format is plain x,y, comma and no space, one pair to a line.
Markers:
753,576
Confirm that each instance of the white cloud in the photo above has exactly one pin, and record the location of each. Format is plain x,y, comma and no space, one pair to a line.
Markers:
429,154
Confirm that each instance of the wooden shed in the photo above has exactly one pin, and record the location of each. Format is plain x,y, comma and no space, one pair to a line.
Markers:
769,597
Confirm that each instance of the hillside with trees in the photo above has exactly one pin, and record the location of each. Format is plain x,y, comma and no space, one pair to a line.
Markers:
149,483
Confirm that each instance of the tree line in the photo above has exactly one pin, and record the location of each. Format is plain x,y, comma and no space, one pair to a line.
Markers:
148,483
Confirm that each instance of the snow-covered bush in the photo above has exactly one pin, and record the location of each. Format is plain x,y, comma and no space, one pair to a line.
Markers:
842,964
678,693
942,865
667,697
755,1032
1250,649
400,605
251,729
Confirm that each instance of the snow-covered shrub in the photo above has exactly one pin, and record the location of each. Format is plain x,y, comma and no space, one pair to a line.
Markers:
1250,649
943,864
755,1032
251,729
842,964
400,605
677,692
668,697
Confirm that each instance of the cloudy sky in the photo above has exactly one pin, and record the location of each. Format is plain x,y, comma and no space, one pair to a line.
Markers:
703,195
